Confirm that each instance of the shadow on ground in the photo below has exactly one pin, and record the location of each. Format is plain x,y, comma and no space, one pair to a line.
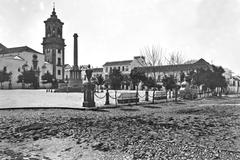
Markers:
151,107
129,109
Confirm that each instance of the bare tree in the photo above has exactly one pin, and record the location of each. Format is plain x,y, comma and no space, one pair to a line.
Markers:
153,56
190,61
175,58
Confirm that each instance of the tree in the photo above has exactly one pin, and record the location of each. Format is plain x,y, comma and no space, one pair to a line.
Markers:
99,81
47,78
211,79
28,77
150,83
182,76
190,77
115,80
216,79
175,58
126,80
169,83
153,57
4,77
137,76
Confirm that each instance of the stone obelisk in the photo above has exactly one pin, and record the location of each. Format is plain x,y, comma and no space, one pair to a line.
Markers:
75,51
75,81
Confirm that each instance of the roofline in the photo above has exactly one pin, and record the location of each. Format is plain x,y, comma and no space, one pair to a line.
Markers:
130,61
2,52
190,66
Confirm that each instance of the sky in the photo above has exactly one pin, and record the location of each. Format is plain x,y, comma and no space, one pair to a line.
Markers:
111,30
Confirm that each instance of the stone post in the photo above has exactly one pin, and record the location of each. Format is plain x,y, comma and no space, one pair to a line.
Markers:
146,95
107,98
89,89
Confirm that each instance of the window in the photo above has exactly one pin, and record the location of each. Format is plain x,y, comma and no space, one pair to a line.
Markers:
47,50
59,72
59,32
106,69
59,62
122,68
119,68
59,51
48,31
110,69
126,68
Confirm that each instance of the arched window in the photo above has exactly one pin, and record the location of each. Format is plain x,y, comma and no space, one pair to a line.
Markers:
54,31
59,32
48,31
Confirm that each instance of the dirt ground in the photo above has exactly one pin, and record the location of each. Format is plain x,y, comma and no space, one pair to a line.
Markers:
201,129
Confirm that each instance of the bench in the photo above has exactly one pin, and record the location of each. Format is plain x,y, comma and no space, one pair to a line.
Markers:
128,98
160,95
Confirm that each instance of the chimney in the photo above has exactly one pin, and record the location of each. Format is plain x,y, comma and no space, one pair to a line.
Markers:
75,55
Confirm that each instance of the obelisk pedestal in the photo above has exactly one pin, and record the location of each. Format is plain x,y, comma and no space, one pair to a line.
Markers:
75,80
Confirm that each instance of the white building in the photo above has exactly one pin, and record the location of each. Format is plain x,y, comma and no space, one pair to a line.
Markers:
19,58
124,66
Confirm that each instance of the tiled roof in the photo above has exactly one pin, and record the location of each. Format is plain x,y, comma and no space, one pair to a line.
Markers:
116,63
97,69
14,57
18,49
2,47
180,67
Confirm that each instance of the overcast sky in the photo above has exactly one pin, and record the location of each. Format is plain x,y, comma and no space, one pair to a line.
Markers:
111,30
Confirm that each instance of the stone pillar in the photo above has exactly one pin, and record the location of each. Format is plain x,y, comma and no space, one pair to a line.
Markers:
107,98
75,52
146,95
89,89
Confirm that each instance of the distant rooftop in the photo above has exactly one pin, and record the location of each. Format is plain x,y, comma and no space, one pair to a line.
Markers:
115,63
179,67
18,49
2,47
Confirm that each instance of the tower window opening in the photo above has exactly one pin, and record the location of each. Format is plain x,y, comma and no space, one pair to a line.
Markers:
59,72
59,33
59,61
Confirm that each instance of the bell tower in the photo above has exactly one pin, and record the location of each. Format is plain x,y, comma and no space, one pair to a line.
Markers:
53,45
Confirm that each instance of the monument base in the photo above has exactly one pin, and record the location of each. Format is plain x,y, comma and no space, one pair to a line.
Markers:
88,104
72,86
68,89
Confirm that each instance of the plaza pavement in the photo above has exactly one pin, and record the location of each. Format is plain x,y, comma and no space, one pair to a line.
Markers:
20,98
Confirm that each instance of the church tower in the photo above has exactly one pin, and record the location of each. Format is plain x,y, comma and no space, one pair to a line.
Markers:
53,45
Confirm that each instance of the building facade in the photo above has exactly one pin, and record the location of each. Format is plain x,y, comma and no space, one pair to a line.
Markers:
158,72
18,59
124,66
